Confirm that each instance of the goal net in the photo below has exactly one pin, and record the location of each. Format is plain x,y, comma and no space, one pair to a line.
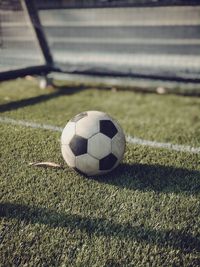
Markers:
159,39
20,49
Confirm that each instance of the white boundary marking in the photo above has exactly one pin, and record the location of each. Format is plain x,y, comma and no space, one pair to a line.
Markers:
129,139
30,124
175,147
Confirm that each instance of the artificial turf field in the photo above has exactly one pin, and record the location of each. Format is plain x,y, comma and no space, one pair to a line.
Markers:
145,213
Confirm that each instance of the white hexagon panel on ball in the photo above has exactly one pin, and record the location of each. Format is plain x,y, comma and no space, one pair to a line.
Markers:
68,156
86,164
87,126
68,133
99,146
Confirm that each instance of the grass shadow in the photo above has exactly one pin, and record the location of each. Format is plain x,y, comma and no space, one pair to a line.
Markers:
59,90
156,178
176,239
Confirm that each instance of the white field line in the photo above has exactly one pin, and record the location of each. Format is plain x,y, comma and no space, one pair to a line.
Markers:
30,124
175,147
129,139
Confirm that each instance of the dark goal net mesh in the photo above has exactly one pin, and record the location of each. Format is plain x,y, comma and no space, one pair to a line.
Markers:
19,47
150,38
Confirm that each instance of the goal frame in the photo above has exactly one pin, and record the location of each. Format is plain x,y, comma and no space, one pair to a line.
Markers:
31,12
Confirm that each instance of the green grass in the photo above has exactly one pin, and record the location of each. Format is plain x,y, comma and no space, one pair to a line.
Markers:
145,213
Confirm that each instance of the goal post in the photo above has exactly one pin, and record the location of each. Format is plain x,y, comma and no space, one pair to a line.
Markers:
23,47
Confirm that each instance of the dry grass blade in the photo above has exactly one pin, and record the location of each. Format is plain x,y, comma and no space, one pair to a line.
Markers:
46,164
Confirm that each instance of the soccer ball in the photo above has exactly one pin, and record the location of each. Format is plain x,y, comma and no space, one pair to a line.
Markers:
92,143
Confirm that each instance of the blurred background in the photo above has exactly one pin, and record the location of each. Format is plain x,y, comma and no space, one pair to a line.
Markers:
121,42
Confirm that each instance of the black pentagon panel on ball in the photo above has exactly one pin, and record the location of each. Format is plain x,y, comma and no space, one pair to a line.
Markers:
78,145
108,128
107,163
79,116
